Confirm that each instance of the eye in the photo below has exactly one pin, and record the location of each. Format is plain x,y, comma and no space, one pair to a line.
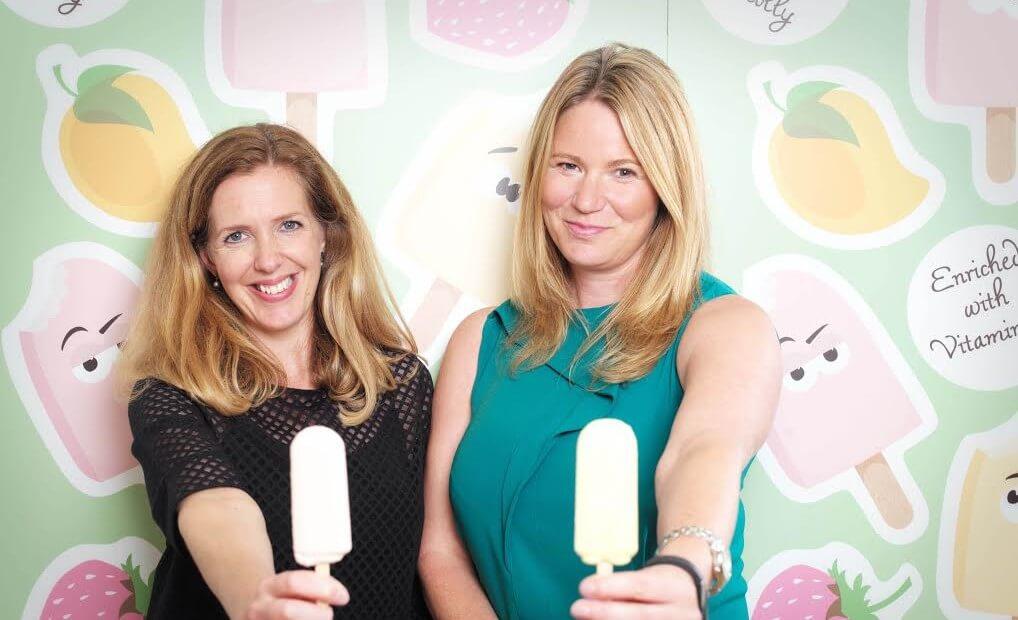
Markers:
625,173
834,360
568,166
291,225
801,378
234,237
505,187
1009,504
97,367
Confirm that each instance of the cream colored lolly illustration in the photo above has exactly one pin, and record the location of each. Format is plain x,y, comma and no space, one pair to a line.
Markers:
832,159
119,126
301,48
848,402
320,498
61,349
980,531
971,60
450,221
607,495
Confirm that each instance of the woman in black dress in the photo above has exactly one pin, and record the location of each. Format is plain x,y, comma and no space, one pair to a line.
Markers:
264,311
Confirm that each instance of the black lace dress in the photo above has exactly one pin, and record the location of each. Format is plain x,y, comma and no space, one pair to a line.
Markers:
184,447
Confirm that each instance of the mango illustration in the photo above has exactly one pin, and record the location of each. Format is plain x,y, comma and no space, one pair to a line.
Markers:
123,141
834,164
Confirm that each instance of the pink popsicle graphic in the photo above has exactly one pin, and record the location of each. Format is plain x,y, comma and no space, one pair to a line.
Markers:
298,47
61,349
842,405
972,60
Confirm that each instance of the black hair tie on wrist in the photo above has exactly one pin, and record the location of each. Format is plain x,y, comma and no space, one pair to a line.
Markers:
686,565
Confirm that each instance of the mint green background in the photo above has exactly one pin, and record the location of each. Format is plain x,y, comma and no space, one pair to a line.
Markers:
42,514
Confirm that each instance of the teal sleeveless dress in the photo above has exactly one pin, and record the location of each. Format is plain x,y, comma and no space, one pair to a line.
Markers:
512,483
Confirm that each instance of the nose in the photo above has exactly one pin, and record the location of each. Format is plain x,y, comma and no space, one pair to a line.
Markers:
587,198
267,258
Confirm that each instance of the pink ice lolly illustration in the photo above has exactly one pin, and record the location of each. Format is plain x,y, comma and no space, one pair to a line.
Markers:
841,405
506,28
69,354
972,60
298,47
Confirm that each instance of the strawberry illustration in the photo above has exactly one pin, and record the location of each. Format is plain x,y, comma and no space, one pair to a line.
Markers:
97,589
495,31
808,593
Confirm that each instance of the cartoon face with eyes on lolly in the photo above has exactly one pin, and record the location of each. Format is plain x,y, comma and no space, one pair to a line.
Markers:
61,349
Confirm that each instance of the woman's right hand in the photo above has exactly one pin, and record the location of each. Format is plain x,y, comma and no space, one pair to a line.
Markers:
295,595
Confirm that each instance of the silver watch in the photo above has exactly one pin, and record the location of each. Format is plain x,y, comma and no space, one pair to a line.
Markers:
721,561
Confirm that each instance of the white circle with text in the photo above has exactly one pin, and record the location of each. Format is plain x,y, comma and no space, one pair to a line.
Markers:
775,22
65,13
963,307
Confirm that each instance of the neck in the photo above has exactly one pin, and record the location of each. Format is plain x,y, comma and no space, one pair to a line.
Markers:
596,287
292,349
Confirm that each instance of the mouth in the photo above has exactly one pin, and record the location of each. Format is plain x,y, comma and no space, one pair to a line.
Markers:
275,291
584,231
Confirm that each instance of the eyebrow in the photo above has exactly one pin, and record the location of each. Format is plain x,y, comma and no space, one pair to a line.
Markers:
503,149
785,339
1011,476
71,332
623,162
814,334
102,330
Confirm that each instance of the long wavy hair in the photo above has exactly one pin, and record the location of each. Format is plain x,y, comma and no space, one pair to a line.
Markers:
656,118
191,335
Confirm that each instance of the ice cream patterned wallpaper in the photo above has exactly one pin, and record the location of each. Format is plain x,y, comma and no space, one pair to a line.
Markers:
862,164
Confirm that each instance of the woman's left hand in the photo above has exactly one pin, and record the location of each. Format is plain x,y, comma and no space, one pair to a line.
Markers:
653,592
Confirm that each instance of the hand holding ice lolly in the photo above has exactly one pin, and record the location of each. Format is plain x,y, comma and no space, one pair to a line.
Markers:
320,501
607,509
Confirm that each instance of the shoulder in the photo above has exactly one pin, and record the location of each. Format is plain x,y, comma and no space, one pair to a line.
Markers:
469,333
410,369
156,395
727,322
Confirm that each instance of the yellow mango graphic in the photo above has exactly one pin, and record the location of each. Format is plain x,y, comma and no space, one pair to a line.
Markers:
123,141
834,165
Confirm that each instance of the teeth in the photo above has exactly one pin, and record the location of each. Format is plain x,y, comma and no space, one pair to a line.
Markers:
278,288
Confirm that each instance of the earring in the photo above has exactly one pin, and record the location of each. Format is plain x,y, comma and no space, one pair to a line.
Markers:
323,257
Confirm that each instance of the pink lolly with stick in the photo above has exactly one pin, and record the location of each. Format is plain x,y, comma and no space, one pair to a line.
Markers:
972,60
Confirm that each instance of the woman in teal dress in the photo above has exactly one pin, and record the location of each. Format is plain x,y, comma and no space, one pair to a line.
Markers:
612,314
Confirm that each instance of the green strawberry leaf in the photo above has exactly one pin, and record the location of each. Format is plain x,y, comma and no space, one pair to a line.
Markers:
104,103
808,92
100,74
894,596
141,591
818,120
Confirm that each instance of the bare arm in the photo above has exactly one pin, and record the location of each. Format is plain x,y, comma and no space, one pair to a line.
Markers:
730,367
450,584
225,532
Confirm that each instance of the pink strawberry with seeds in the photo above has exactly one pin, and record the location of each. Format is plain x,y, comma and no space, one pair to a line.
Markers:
501,34
98,589
807,593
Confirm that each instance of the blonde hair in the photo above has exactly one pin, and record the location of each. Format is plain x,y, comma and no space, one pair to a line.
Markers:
192,336
652,109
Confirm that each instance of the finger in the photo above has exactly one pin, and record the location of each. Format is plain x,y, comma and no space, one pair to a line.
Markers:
290,609
306,585
644,585
586,609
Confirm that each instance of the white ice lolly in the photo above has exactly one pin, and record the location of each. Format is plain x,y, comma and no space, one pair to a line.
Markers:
607,495
319,499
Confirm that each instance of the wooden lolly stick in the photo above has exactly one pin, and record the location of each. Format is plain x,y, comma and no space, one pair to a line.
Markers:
1001,144
886,491
302,114
433,312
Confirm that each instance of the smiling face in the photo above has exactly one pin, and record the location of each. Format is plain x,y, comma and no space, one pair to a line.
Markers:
265,247
599,206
